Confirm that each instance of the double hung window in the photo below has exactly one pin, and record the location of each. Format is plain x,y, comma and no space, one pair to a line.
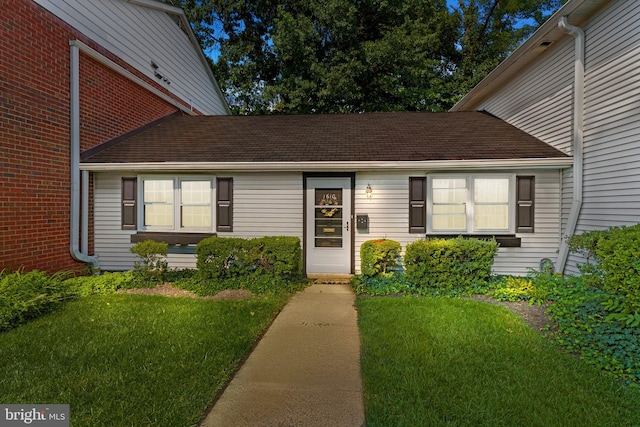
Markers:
481,204
181,204
471,204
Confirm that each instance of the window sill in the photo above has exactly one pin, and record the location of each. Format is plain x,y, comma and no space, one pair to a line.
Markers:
504,240
170,238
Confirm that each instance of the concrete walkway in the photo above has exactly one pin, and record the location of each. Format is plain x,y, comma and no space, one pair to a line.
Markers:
304,372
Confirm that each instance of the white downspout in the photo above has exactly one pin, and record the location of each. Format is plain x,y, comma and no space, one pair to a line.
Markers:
578,138
74,99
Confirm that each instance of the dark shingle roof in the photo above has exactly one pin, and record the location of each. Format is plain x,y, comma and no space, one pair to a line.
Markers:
325,137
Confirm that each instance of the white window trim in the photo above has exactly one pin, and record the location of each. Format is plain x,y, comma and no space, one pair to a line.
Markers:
177,179
470,203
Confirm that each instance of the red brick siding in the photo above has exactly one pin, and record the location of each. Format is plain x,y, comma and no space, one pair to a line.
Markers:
34,130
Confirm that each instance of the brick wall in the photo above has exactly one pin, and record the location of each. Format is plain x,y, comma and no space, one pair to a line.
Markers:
34,130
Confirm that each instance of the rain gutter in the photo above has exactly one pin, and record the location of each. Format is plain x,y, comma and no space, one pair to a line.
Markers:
431,165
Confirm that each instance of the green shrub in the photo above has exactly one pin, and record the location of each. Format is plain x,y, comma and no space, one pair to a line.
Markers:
106,283
537,288
379,257
277,255
151,264
222,257
613,262
581,314
24,296
513,289
619,254
449,263
235,260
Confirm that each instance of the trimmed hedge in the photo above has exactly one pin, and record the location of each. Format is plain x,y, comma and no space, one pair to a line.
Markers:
231,257
449,263
379,257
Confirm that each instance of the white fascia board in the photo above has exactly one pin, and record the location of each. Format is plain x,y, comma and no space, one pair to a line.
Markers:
155,4
511,164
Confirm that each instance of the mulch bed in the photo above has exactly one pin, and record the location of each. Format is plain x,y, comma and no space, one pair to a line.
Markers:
171,291
534,315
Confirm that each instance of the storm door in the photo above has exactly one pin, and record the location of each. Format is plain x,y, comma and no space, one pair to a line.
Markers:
328,240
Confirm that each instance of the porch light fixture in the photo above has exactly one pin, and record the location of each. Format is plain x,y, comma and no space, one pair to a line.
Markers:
368,191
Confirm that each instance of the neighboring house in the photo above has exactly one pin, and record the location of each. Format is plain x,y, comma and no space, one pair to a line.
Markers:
575,84
334,181
73,74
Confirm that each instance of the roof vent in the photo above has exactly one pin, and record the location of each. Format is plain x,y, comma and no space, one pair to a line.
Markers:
542,46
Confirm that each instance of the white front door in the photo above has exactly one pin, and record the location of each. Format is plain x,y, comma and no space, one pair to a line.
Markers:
328,239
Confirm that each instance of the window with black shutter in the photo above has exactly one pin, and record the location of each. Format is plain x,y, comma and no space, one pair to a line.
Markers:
129,213
417,204
224,208
525,204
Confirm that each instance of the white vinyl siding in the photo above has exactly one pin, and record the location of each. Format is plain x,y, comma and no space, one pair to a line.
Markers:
539,101
545,241
110,241
266,204
138,35
388,211
611,194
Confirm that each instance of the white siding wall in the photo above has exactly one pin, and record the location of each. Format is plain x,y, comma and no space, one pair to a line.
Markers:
388,212
111,242
612,120
539,101
263,205
267,204
139,35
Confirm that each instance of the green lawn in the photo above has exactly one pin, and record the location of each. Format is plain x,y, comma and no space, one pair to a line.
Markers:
456,362
131,360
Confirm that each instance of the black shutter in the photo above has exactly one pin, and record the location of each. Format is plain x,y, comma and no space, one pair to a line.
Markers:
525,204
417,204
224,209
129,214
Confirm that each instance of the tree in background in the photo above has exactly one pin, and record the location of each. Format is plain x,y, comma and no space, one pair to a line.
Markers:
490,30
342,56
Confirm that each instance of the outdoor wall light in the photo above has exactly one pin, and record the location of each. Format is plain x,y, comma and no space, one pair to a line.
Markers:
368,191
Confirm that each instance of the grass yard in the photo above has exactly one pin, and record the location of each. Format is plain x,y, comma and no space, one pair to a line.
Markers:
131,360
457,362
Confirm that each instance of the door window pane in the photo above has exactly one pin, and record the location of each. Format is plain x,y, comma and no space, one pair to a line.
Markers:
328,217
